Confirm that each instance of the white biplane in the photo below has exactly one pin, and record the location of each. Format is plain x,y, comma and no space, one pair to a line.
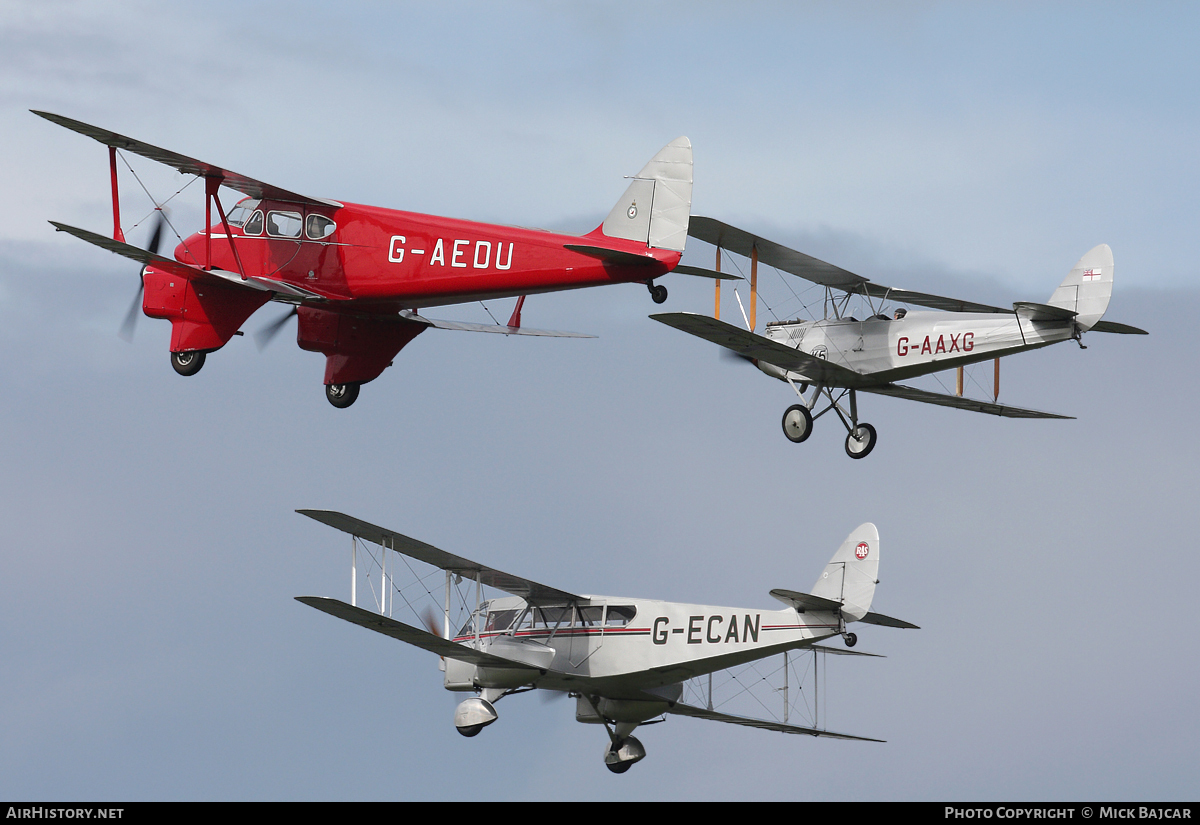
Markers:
624,660
845,355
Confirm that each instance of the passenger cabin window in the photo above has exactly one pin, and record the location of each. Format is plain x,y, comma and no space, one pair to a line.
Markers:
319,227
550,617
254,226
284,224
238,215
619,615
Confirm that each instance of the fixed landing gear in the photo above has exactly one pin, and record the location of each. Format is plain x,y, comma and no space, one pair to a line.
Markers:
797,423
860,441
623,754
187,363
658,292
473,715
798,420
850,639
342,395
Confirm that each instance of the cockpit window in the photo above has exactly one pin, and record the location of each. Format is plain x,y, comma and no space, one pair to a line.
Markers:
284,224
319,227
238,215
254,226
501,619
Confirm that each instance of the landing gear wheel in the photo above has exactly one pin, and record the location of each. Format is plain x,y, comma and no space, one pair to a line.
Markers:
851,640
342,395
187,363
618,767
470,730
797,423
860,441
658,293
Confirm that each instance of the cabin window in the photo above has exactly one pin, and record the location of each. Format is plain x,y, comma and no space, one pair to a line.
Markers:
619,615
254,226
591,616
319,227
284,224
238,215
551,617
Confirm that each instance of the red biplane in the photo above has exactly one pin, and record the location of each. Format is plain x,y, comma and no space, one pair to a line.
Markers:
356,276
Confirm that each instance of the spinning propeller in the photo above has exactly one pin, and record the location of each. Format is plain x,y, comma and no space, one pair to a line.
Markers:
265,335
431,618
129,325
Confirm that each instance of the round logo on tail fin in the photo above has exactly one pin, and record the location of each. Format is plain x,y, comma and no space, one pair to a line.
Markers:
862,550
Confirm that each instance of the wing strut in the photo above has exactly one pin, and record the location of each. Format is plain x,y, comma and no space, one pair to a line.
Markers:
118,235
212,183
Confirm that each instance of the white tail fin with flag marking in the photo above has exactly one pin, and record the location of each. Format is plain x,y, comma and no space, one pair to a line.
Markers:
1087,288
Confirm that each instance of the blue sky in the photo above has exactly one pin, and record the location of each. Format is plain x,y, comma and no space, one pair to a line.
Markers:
153,648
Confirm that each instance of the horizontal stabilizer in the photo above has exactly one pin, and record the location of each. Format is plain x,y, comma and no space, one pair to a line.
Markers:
716,716
887,621
530,591
1042,312
960,403
406,633
182,163
613,256
496,328
1120,329
805,601
701,272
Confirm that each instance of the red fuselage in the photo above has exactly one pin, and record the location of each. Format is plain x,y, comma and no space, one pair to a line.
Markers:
388,259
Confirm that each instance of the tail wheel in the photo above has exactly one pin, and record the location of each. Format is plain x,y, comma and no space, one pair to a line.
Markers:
187,363
860,441
797,423
342,395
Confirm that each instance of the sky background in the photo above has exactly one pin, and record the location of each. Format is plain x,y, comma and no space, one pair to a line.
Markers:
150,646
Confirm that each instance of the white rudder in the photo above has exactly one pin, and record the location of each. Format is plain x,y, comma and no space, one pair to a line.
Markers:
1087,288
657,206
852,573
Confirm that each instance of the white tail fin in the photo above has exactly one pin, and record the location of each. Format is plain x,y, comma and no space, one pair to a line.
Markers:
657,206
852,573
1088,287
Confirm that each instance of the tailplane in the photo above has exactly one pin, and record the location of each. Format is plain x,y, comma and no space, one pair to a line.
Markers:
657,206
852,573
1087,288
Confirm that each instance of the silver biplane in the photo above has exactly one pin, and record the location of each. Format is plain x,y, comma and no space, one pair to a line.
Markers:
840,355
624,660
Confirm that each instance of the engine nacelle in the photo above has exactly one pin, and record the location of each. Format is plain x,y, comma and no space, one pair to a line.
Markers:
617,710
473,715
